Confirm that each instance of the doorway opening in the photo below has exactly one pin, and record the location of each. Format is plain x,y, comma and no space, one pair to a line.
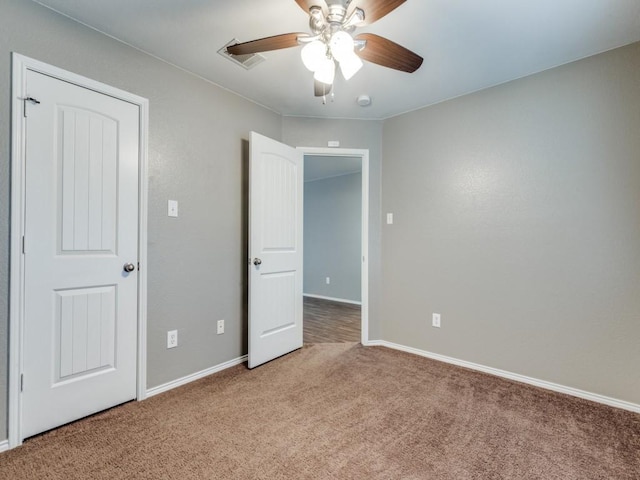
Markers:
335,245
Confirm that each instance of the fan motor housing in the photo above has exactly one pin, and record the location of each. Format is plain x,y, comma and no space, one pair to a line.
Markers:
336,14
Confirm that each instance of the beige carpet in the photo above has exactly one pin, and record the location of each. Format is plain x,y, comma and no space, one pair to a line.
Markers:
341,411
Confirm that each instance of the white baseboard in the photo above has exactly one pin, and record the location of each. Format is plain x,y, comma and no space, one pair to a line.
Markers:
194,376
594,397
333,299
4,446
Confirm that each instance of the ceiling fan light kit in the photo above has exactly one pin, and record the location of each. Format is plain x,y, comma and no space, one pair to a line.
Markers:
313,54
318,57
332,41
350,66
326,71
341,45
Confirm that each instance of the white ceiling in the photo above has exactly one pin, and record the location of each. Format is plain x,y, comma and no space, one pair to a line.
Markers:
467,45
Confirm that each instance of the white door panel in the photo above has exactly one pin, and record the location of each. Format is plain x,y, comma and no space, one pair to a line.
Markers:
275,239
81,227
88,175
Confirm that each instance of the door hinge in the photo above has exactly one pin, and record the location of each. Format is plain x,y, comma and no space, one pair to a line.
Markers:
23,248
22,382
31,100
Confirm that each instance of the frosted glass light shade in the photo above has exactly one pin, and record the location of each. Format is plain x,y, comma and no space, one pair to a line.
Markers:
350,65
313,55
341,45
326,72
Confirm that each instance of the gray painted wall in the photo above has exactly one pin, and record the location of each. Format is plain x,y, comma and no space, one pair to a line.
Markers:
516,211
517,217
196,264
316,132
333,236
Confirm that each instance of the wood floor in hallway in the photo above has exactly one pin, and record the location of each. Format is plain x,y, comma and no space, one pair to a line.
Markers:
326,321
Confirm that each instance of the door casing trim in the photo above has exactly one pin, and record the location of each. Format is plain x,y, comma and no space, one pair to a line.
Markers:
363,154
20,65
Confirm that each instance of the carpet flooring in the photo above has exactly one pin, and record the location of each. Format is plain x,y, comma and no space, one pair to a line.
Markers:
342,411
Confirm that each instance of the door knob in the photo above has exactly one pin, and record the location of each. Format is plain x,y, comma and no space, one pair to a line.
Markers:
129,267
257,262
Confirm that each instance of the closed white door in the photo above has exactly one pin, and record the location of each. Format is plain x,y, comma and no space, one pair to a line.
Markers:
275,248
81,238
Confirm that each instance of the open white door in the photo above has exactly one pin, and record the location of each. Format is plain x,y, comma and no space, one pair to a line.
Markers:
275,249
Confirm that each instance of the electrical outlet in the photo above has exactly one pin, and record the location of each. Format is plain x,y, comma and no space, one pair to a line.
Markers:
328,280
220,327
172,338
435,320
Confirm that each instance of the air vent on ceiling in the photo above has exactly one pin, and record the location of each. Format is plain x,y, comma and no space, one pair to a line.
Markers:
246,61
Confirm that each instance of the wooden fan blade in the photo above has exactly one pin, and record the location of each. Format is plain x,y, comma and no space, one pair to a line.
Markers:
276,42
388,54
321,89
374,9
307,4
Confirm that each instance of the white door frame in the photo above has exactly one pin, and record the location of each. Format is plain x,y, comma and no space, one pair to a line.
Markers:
21,65
363,154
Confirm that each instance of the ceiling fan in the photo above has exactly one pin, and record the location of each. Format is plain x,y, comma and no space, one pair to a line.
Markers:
331,41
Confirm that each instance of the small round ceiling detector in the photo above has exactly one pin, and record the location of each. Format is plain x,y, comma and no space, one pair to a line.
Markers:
364,100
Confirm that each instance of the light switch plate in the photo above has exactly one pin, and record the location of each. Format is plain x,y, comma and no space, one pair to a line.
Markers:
172,208
389,218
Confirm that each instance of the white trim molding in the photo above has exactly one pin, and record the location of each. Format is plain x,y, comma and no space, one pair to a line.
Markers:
165,387
143,222
20,66
339,300
574,392
4,446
